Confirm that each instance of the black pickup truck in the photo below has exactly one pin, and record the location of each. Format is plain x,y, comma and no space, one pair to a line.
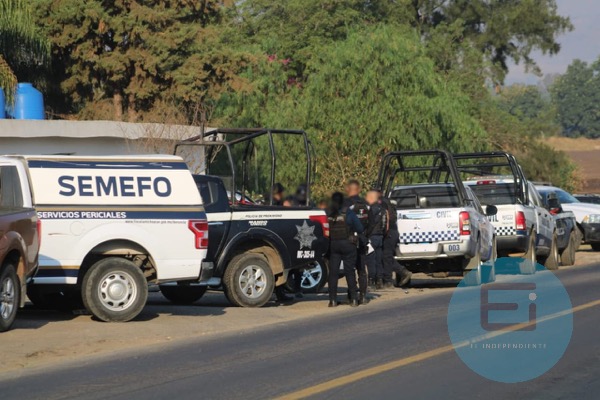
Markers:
253,246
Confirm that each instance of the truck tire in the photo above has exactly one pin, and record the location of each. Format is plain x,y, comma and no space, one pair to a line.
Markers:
528,265
488,269
551,262
10,296
183,294
114,290
314,277
66,300
248,280
472,272
568,255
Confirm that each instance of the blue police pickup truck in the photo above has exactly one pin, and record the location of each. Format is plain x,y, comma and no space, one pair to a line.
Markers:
253,245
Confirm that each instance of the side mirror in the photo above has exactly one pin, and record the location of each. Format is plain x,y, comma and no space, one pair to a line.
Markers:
490,211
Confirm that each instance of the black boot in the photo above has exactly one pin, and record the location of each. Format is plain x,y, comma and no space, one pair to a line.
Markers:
372,283
363,299
354,303
281,296
333,303
379,284
404,278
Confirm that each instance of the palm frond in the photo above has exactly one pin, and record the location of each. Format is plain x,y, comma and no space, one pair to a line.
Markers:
8,80
21,43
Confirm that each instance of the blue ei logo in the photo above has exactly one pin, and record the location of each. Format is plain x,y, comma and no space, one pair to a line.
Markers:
514,329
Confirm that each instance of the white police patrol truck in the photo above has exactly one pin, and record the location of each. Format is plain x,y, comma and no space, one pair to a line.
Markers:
112,225
442,226
524,225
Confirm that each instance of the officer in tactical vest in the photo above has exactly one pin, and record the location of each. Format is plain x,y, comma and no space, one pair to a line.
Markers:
377,227
344,228
390,241
360,207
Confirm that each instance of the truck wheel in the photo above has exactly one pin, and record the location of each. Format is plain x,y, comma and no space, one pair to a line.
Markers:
488,269
528,265
183,294
248,280
114,290
568,255
472,273
66,300
314,277
596,246
551,262
10,297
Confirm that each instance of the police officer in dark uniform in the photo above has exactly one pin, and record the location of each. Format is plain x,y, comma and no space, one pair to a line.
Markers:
376,230
360,207
344,227
390,241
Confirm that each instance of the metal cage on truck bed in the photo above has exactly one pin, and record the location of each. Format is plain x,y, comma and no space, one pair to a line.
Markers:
216,140
401,168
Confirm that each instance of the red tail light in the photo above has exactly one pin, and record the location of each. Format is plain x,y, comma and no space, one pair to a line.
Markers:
464,223
489,182
521,222
200,230
39,232
322,219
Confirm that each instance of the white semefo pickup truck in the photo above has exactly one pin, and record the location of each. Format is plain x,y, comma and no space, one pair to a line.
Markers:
442,232
112,225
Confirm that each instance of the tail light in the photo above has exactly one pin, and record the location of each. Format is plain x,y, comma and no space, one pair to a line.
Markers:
521,223
322,219
200,230
39,232
464,223
488,182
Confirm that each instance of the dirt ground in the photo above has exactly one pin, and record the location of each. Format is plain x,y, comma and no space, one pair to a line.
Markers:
44,338
586,154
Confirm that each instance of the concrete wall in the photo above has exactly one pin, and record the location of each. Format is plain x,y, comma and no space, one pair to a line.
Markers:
95,138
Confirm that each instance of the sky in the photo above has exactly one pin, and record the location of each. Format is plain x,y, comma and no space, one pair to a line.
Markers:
582,43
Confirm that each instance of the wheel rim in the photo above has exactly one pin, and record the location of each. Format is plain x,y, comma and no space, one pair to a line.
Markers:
253,281
117,291
7,298
311,277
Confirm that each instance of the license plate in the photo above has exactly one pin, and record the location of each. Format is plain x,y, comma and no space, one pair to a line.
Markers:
419,248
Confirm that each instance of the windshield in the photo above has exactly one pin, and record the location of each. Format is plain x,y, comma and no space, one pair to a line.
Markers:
425,197
563,197
495,194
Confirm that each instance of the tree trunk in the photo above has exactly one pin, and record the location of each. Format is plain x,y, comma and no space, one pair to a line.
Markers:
118,106
131,112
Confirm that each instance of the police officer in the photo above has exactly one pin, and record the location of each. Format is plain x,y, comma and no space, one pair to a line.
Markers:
344,227
360,207
376,230
390,241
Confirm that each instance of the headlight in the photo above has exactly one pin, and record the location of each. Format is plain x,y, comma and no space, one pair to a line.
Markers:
592,219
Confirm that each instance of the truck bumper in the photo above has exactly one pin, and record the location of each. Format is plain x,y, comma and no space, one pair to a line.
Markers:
591,233
513,244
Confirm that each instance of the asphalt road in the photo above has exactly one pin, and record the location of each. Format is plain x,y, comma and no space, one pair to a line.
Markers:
347,356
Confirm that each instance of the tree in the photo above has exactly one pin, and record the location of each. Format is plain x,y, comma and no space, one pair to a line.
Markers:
23,49
122,59
500,30
576,95
374,92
